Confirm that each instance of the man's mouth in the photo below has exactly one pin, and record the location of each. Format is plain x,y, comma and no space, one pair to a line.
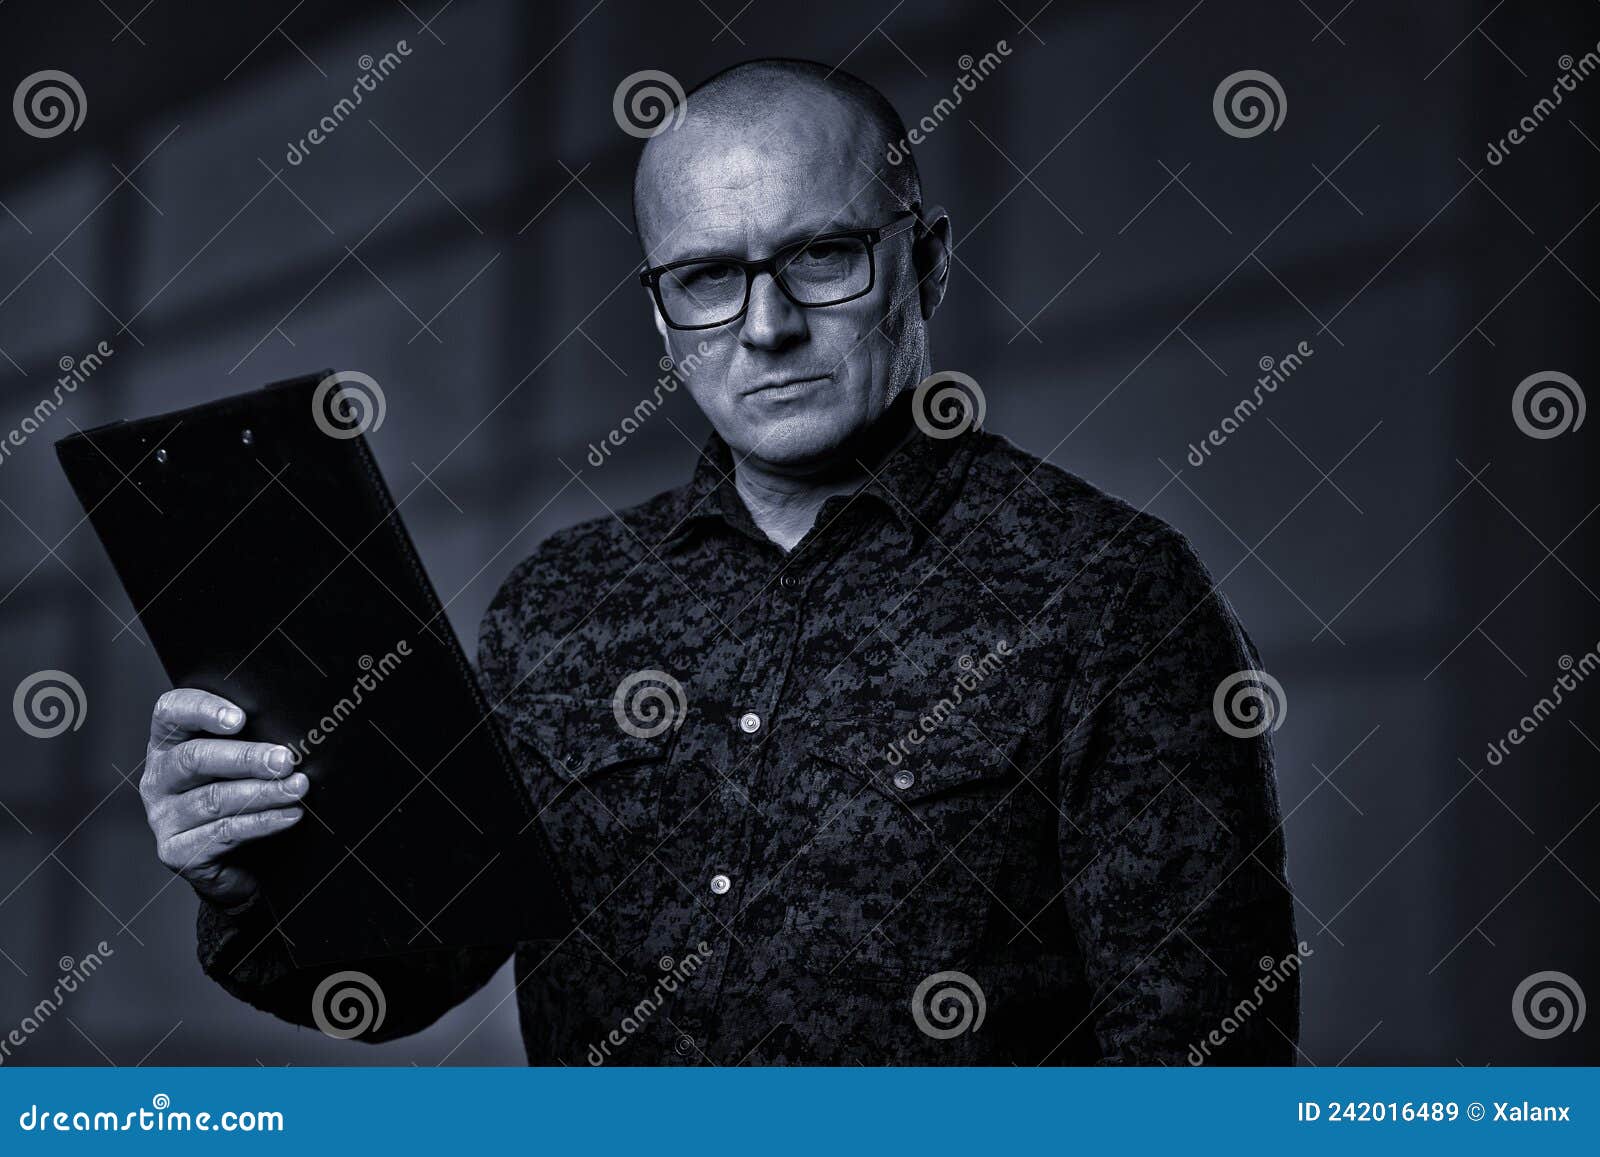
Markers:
777,389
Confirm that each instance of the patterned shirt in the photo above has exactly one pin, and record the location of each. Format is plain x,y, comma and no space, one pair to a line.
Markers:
948,783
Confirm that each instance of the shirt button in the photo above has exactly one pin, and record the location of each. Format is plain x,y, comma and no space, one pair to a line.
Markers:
749,723
788,580
720,883
904,779
685,1046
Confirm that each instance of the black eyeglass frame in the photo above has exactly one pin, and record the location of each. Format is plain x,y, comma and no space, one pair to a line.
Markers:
651,277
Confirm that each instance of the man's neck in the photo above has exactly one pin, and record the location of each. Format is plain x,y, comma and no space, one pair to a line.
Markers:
784,504
785,507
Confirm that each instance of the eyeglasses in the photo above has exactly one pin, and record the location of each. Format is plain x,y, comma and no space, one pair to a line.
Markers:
829,269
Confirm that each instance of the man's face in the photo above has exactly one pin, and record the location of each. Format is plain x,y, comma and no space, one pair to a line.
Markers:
784,384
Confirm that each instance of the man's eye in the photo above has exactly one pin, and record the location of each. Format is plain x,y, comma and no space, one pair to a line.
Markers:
709,275
824,253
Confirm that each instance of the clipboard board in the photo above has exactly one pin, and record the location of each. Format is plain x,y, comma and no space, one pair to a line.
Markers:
262,551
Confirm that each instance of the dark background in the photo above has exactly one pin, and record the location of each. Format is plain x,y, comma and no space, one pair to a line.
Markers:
1384,493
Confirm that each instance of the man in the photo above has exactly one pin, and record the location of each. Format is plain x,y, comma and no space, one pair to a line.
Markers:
868,745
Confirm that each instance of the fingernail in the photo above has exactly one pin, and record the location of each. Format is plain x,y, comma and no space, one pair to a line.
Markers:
278,759
291,814
231,717
296,784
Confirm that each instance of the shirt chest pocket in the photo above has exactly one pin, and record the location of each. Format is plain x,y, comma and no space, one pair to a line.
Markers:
598,790
913,851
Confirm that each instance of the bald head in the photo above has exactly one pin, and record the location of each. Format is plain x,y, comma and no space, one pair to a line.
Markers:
780,111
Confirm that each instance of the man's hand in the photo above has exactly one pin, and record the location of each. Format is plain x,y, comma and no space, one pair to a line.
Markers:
205,797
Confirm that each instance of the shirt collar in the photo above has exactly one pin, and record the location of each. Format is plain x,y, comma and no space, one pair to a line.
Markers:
913,482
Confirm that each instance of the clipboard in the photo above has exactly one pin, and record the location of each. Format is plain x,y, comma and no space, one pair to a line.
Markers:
264,556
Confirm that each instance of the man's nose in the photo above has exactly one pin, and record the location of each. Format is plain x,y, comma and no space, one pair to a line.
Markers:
772,321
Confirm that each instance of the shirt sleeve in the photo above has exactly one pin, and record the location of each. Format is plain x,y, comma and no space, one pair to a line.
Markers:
1171,840
242,951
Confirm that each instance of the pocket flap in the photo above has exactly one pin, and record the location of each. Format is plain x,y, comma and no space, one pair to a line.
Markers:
580,737
907,761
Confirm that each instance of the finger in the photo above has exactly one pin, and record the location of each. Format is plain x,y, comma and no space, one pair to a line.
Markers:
186,711
195,761
224,797
200,847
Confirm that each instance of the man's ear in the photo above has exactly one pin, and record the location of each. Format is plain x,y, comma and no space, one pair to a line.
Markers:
931,257
661,322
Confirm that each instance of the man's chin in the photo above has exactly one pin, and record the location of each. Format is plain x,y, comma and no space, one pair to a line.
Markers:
796,436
